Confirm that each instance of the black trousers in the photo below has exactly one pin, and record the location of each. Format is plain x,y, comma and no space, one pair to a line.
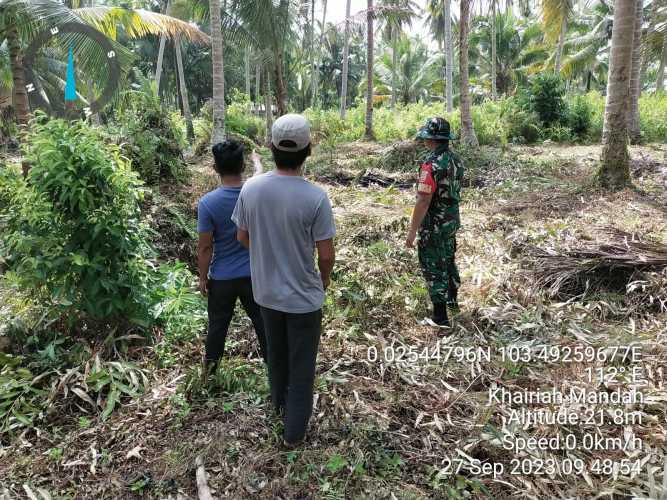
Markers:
292,342
222,295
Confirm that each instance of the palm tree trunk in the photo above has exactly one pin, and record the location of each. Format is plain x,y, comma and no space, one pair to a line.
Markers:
217,53
346,62
660,83
247,72
184,90
281,90
494,49
634,128
160,61
160,56
313,69
278,61
268,107
258,77
615,168
20,98
468,137
561,44
394,62
316,71
369,72
651,28
449,55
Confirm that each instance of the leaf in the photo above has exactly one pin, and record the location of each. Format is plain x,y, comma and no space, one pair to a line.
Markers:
112,399
335,463
83,395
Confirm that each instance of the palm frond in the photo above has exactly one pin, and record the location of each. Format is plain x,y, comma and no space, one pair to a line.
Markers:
139,23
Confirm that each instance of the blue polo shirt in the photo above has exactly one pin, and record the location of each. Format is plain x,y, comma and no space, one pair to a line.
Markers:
230,259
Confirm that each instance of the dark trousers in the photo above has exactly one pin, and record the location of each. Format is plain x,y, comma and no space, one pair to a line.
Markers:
292,341
222,295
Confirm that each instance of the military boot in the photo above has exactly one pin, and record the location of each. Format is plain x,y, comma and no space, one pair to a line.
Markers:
440,315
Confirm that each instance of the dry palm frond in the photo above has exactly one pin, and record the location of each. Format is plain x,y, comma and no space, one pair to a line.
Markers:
609,266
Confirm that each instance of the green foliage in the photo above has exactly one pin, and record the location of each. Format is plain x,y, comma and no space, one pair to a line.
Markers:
653,117
151,138
178,308
580,117
546,97
115,379
513,119
22,394
74,237
522,126
240,122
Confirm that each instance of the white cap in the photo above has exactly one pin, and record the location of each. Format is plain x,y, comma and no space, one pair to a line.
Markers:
294,128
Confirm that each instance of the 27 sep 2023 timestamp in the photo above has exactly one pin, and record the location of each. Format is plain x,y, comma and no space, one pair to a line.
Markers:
528,466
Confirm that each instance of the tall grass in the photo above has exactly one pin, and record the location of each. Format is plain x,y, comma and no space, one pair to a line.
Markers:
496,123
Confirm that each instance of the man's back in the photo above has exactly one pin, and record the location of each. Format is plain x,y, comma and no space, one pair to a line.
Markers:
285,215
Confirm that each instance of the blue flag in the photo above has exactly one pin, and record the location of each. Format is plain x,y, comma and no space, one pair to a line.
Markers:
70,85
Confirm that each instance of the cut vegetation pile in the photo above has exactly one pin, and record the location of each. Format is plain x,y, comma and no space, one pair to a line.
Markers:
623,265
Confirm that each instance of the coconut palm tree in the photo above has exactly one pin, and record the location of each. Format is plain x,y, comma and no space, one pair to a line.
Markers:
586,51
660,81
27,16
346,62
11,18
183,90
316,71
160,55
440,21
634,129
449,56
468,136
269,25
416,70
217,57
615,169
396,15
519,51
369,70
494,57
555,18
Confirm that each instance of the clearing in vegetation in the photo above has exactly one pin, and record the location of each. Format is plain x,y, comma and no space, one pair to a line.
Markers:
547,259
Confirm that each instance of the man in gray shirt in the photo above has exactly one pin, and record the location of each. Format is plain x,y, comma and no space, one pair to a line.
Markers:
282,218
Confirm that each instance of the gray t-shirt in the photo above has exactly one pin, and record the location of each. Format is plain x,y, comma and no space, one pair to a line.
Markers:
285,216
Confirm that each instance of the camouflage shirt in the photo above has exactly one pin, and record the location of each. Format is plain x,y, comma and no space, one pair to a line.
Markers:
440,175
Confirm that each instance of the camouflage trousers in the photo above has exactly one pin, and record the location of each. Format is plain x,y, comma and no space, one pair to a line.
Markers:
436,258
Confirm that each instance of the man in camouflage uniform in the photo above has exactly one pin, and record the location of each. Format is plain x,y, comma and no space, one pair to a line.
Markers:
436,217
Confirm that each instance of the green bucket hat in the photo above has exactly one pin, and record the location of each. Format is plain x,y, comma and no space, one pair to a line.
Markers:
437,129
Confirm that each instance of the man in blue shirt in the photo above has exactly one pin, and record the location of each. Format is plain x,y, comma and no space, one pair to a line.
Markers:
224,265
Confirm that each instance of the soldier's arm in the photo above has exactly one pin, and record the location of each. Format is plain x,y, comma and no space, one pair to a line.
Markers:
425,190
419,212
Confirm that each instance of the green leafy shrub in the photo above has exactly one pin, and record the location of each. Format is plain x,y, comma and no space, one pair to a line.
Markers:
580,117
546,96
558,133
239,123
74,237
523,127
151,138
179,309
22,394
240,120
